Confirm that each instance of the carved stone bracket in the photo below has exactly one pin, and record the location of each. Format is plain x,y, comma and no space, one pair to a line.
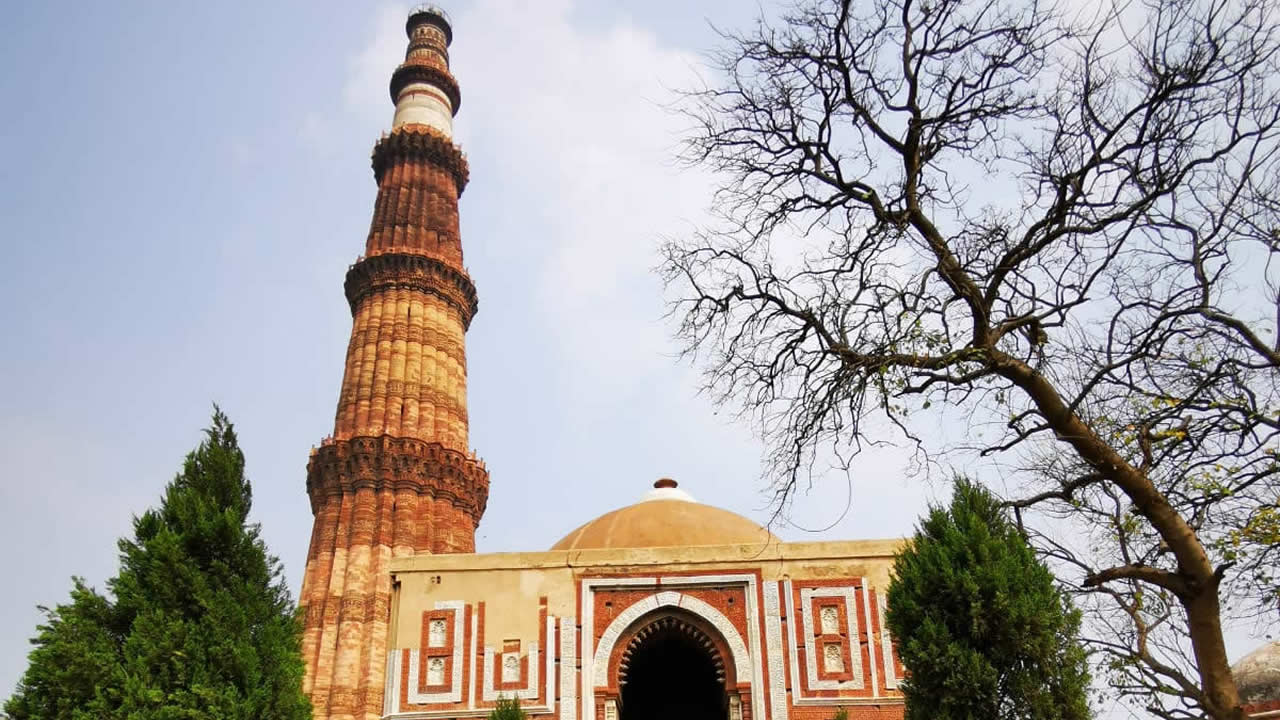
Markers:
387,462
420,144
414,272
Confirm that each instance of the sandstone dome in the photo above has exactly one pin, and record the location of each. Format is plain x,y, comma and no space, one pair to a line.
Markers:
1257,675
666,517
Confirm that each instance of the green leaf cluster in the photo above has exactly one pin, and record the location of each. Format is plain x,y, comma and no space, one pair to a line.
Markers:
507,709
199,624
981,627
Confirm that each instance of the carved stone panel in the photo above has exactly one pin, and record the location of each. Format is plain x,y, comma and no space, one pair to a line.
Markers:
830,620
436,633
511,667
832,658
435,671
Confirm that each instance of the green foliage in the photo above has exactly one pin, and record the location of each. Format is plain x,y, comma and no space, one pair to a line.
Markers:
201,625
982,629
507,709
73,670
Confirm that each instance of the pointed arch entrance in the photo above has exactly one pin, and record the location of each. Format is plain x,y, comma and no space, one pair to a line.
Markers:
672,668
672,655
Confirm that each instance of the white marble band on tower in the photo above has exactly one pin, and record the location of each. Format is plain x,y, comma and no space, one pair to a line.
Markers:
424,99
423,104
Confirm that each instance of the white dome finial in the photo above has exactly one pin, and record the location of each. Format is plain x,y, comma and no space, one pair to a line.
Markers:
667,489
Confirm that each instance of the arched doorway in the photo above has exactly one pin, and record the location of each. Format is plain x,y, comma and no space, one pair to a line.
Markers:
672,670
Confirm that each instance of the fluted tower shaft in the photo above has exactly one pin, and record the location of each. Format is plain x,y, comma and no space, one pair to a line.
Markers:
397,476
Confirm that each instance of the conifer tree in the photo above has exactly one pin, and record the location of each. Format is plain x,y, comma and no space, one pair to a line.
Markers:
72,670
981,627
507,709
200,624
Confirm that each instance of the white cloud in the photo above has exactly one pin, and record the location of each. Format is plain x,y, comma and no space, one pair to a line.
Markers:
570,127
580,115
365,92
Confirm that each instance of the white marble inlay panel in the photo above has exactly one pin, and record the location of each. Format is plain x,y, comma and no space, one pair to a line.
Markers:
871,643
391,694
568,669
832,658
811,651
528,692
436,633
886,643
510,667
830,620
475,659
454,693
773,651
435,671
549,653
792,644
392,709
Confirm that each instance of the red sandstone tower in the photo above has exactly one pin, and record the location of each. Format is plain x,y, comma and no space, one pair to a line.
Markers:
397,477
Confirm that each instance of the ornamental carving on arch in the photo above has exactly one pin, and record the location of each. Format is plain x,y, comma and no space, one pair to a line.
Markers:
665,620
697,619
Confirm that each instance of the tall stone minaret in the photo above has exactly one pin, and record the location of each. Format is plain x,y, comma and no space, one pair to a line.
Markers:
397,477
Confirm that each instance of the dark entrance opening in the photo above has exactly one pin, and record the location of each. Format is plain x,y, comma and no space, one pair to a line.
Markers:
672,672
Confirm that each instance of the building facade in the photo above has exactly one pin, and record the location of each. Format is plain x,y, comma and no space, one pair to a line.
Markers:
668,608
1257,676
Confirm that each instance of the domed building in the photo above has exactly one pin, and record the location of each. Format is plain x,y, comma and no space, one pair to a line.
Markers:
664,608
667,608
667,517
1257,676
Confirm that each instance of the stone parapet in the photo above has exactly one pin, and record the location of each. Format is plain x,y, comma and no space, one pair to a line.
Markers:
427,14
397,463
417,273
411,73
421,144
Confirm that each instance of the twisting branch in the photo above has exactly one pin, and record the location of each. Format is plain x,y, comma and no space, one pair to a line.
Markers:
1064,230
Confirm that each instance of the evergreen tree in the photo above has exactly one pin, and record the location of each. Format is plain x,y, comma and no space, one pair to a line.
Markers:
72,671
507,709
201,625
982,629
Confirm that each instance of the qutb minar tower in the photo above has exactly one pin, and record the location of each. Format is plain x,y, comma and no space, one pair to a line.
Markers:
663,608
397,477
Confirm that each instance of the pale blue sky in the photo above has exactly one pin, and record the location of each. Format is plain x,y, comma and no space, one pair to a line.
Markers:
184,186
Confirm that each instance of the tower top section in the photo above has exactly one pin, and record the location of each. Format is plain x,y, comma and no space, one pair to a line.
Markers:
430,14
423,89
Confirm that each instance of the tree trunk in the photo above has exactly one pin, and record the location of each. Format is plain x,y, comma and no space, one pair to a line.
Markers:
1195,583
1222,698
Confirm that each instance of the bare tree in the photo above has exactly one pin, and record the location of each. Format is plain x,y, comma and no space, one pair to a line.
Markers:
1063,227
